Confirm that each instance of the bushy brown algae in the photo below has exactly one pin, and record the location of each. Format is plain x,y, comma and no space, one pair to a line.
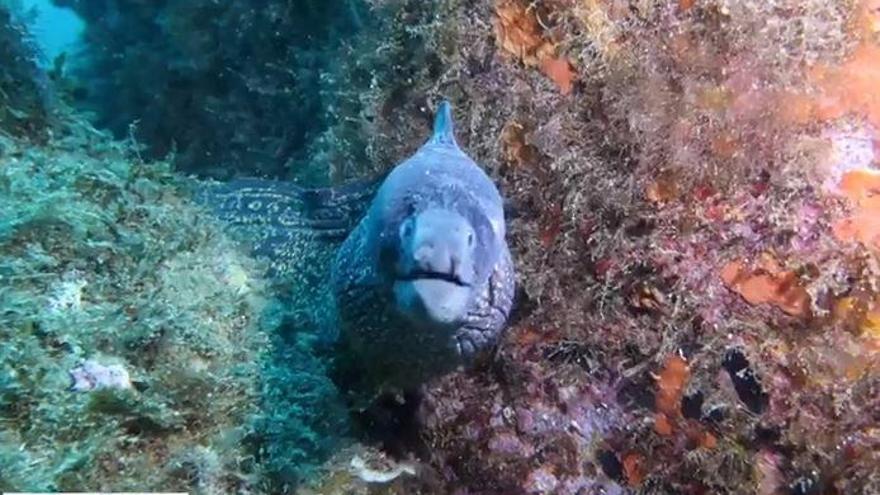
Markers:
689,145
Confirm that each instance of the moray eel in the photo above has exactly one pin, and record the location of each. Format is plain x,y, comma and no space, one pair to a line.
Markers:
423,281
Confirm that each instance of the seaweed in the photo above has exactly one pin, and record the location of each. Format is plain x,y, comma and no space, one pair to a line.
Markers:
102,259
229,88
25,108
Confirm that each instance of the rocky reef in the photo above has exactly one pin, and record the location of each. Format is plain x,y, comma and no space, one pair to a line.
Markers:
141,345
694,223
131,351
695,232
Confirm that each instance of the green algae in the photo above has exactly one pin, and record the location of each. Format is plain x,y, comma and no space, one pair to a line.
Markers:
105,257
102,258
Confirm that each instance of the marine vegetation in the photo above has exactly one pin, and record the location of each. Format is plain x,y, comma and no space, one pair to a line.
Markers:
140,348
105,268
226,86
24,109
693,218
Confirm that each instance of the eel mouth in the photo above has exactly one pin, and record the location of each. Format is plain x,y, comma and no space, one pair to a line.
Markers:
429,275
432,300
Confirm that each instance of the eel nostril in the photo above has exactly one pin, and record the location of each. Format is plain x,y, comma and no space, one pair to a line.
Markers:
424,258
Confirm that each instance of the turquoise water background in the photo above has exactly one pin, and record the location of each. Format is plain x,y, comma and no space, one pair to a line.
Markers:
56,29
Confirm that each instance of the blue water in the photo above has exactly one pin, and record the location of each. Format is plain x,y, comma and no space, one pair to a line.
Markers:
56,29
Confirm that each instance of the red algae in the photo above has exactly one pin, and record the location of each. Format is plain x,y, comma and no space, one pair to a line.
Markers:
662,190
634,468
662,425
839,91
862,188
519,33
686,4
860,314
559,71
670,385
763,286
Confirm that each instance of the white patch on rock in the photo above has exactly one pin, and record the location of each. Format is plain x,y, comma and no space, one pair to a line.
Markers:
67,293
92,375
386,473
237,277
852,148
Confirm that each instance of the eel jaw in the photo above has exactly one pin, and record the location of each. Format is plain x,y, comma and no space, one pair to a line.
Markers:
418,275
432,299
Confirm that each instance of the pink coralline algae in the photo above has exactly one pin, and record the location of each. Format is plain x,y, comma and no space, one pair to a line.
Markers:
536,433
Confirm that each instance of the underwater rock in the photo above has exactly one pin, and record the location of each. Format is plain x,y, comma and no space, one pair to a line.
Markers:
526,425
101,254
227,88
679,120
